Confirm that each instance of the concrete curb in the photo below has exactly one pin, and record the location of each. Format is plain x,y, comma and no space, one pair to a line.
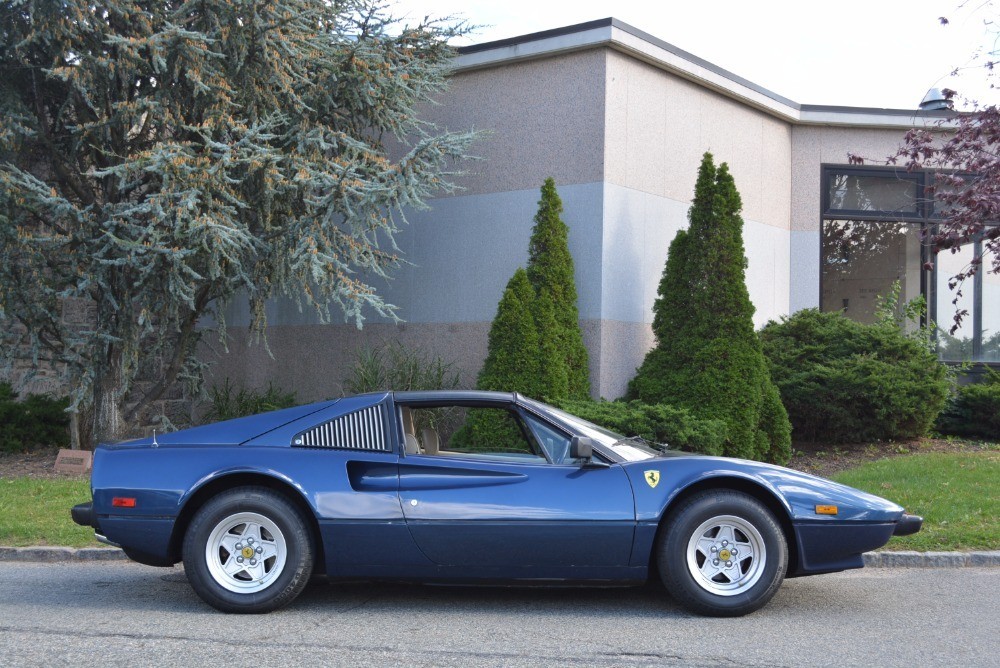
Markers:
981,559
932,559
61,554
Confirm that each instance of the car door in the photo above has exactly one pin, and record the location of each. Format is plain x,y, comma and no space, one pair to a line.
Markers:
487,493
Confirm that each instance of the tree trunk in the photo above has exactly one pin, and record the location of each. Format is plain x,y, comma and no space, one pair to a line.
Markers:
74,430
108,398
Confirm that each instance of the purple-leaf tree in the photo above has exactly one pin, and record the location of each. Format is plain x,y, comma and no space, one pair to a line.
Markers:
963,151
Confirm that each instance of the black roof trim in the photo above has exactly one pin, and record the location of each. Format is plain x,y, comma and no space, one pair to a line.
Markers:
701,62
535,36
934,113
632,30
695,60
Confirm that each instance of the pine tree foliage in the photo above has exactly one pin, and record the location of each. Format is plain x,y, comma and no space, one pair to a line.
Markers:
550,269
553,372
159,158
512,361
512,365
708,358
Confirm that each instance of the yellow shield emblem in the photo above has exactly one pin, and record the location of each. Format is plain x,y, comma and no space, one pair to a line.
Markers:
652,478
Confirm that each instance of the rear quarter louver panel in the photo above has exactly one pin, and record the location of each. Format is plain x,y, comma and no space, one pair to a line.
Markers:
360,430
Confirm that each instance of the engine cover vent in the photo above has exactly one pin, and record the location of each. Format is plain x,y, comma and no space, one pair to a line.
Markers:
360,430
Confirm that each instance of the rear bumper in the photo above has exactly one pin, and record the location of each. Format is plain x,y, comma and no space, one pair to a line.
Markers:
908,525
84,515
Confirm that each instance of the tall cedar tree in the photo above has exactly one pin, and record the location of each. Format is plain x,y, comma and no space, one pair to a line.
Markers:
708,358
550,269
512,365
158,159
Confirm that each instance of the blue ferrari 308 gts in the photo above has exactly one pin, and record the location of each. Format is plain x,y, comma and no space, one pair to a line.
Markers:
468,487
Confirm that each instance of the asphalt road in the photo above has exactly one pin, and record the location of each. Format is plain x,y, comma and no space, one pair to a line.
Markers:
122,614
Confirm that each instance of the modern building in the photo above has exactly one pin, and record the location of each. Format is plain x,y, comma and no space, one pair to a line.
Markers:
621,119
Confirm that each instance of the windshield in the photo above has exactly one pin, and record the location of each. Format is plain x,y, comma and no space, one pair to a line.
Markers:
632,449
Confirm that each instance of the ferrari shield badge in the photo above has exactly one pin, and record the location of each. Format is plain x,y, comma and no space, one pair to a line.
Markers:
652,478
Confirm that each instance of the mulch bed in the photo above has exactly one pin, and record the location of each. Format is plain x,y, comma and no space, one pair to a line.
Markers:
36,464
817,458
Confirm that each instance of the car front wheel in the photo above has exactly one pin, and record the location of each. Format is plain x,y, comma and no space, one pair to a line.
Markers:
248,550
722,553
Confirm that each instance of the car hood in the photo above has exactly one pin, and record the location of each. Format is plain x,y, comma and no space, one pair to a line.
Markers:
799,492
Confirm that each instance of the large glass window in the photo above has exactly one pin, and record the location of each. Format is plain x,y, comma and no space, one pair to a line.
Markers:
874,192
861,262
873,235
990,311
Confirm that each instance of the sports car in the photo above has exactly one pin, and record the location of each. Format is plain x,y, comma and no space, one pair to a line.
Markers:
468,487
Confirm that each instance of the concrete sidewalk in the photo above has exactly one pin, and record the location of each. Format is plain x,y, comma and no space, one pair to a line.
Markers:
978,559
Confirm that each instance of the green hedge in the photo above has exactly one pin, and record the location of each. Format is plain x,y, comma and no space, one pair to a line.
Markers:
973,410
846,382
708,357
659,423
37,421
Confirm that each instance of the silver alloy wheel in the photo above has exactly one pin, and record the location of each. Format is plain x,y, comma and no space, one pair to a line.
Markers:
245,553
726,555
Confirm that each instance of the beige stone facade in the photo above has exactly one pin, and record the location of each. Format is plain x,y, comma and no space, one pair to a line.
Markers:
620,120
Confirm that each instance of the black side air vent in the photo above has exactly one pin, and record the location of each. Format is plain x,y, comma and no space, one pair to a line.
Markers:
360,430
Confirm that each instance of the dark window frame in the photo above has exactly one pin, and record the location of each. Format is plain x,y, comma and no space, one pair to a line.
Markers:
926,218
924,206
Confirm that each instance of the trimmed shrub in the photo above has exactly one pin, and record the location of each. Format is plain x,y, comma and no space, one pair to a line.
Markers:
659,423
535,343
708,358
973,410
842,381
512,361
37,421
513,364
551,272
553,372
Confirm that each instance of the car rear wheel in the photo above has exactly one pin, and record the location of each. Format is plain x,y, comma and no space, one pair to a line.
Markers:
248,550
722,553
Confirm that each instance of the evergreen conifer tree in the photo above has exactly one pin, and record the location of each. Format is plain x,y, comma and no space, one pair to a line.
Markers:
708,358
553,376
550,269
512,360
159,159
512,365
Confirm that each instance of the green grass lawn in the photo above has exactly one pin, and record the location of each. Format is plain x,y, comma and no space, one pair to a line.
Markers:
957,494
35,511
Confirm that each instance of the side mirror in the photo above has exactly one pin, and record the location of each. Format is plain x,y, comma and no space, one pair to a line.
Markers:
581,447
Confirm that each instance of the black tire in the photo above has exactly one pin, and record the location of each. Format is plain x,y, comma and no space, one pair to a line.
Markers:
722,553
248,550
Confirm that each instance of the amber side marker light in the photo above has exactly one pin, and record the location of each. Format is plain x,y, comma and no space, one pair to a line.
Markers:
826,510
123,502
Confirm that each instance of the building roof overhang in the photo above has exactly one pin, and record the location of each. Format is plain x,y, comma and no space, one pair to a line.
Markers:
622,37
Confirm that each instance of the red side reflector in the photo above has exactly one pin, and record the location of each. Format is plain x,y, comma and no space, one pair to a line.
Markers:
123,502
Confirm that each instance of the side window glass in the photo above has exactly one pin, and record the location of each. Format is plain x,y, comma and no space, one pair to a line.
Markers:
551,439
480,432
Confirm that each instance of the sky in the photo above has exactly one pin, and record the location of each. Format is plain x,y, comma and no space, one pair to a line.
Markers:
861,53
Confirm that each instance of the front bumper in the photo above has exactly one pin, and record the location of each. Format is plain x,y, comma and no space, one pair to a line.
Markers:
908,525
